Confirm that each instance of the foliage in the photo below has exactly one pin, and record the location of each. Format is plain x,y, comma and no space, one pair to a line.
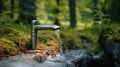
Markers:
112,31
47,37
70,39
8,47
14,35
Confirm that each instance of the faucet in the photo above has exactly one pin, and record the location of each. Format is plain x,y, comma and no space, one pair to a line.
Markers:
36,26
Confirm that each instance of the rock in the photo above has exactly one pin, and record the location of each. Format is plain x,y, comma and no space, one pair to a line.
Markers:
110,44
40,58
44,51
100,63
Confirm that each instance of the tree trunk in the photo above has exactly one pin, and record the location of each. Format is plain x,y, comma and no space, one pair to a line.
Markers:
1,6
72,6
12,9
115,11
104,7
27,11
57,12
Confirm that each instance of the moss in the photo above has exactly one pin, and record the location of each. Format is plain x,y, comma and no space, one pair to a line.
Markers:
14,35
8,47
112,32
70,39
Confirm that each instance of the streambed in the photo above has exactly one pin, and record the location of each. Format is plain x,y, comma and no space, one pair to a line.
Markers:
68,59
73,58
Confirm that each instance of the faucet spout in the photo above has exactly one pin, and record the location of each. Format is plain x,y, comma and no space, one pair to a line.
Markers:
46,27
36,26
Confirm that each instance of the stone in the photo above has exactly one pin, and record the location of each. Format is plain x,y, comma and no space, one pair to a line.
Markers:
40,58
110,45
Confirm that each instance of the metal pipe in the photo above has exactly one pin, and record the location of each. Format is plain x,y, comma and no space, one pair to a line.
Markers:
46,27
34,34
36,26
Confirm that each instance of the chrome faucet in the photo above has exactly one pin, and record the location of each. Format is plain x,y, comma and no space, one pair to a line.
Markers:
36,26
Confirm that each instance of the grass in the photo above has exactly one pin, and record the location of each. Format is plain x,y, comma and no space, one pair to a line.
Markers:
12,37
8,47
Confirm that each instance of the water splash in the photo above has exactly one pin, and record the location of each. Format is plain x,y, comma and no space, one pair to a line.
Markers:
26,61
66,60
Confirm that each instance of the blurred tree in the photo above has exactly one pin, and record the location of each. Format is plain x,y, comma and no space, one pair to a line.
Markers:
12,8
72,5
27,11
64,11
104,6
114,10
1,6
104,9
110,9
84,11
57,12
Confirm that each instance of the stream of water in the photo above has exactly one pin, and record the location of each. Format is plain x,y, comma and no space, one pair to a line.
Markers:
59,40
27,60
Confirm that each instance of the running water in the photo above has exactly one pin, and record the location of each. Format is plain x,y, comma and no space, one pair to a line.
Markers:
67,60
59,40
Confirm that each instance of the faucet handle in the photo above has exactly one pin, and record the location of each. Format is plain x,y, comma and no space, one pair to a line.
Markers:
35,22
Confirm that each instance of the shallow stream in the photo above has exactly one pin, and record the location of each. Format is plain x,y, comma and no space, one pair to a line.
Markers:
66,60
